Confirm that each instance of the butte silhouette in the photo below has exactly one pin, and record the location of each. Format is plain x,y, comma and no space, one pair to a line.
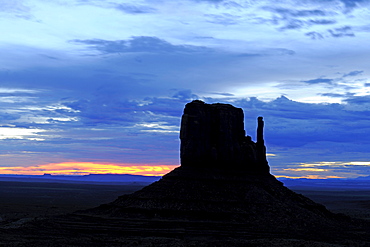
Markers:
225,179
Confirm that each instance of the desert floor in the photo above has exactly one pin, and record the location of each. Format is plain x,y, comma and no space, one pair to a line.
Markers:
24,201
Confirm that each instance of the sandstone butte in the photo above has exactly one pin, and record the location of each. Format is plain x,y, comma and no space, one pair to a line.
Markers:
225,177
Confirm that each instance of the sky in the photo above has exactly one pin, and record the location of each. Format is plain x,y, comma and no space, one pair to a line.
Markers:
91,86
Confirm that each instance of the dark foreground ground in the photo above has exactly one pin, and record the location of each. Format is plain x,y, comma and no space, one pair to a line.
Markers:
23,202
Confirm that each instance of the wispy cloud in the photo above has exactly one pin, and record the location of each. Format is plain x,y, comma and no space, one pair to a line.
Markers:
139,44
340,32
319,80
135,9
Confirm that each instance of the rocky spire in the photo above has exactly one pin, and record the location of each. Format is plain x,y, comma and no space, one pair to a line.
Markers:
213,136
260,148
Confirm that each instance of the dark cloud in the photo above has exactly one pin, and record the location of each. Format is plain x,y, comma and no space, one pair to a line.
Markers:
297,19
338,95
346,5
135,9
314,35
249,55
293,24
297,13
185,95
353,73
322,22
351,4
345,31
319,80
359,100
139,44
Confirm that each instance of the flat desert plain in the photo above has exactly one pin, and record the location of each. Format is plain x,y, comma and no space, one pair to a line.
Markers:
26,200
23,202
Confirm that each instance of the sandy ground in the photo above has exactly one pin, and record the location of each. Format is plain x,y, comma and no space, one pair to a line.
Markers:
26,200
22,202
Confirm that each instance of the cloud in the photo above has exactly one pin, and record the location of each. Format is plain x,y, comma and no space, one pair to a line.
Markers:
185,95
311,122
297,19
345,31
298,13
314,35
359,100
352,4
319,80
16,8
327,169
322,22
338,95
354,73
135,9
139,44
223,19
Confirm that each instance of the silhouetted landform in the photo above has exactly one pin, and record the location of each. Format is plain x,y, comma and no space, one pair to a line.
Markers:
224,177
360,183
82,179
222,195
213,136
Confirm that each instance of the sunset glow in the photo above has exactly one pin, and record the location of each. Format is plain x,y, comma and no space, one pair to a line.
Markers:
324,170
310,177
85,168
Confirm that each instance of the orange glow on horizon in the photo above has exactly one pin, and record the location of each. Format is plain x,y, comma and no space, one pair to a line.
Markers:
308,177
86,168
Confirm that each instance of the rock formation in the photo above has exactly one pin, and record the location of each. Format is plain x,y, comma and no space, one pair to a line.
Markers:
224,175
213,136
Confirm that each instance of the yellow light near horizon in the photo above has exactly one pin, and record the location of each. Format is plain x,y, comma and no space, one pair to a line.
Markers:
308,177
337,164
85,168
359,163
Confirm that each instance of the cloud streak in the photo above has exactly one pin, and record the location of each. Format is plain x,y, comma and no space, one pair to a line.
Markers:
139,44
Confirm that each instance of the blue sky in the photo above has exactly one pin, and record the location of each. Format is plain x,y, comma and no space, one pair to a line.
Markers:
105,82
